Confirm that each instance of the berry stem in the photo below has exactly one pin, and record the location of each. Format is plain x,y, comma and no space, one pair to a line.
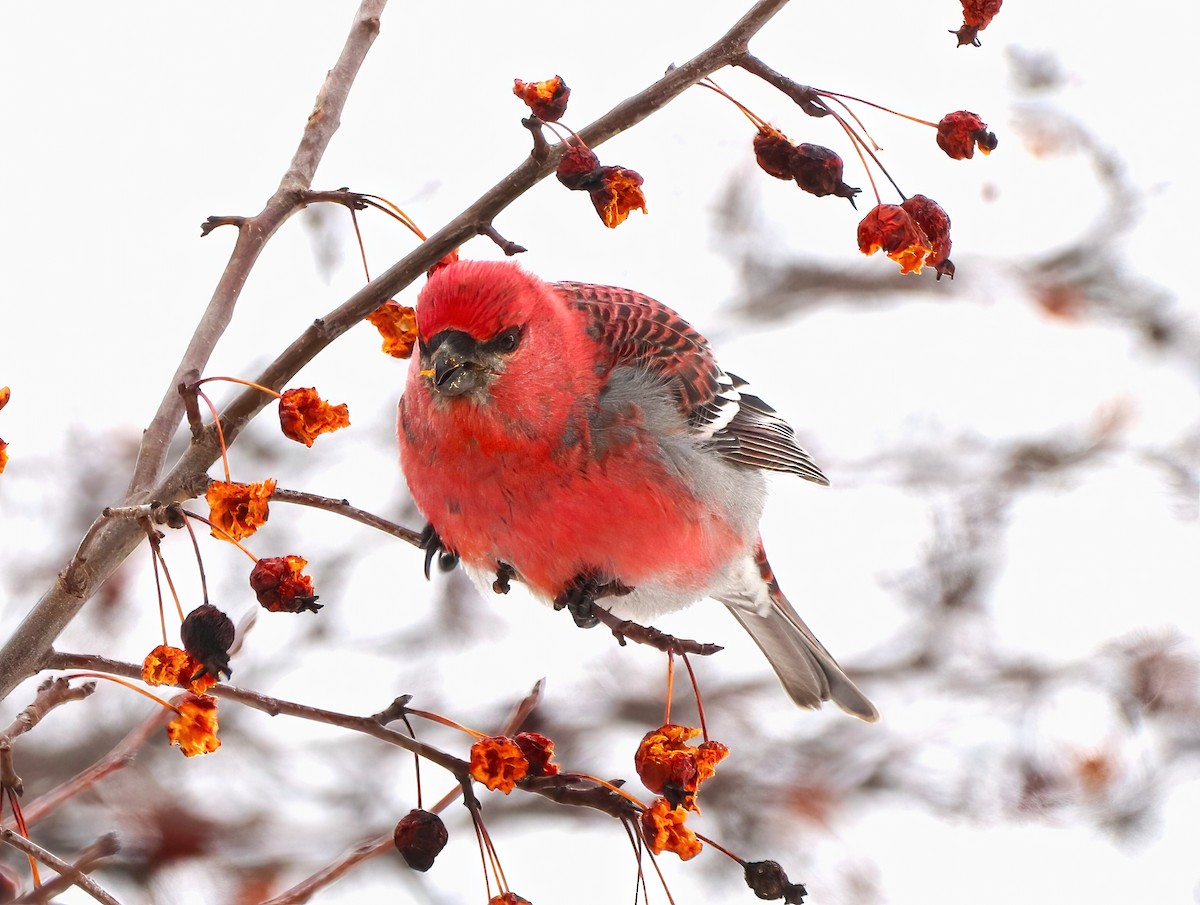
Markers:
851,97
129,685
229,537
220,431
445,721
757,120
155,546
394,211
696,691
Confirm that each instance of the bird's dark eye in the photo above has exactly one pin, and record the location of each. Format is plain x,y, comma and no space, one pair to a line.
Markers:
508,340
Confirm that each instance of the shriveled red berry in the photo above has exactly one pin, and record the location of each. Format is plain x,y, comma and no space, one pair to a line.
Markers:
935,223
579,169
891,228
977,15
960,132
818,171
281,586
774,152
537,750
547,100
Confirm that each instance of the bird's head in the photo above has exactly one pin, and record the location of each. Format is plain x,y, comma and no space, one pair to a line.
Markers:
478,321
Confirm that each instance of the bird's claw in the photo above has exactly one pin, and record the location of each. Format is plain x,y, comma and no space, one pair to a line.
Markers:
433,546
579,597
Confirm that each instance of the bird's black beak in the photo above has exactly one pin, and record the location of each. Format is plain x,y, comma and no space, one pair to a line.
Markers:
451,363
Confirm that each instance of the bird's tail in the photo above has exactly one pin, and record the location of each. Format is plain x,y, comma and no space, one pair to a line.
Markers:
808,672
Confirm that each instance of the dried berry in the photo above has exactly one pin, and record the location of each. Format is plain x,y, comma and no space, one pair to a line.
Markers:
498,763
195,729
281,586
665,830
977,15
537,750
419,837
207,636
304,416
890,227
167,665
935,223
769,881
397,324
774,152
960,132
579,168
238,510
547,100
619,193
818,171
670,767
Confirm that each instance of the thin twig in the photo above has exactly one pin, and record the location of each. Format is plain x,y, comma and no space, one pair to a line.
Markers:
385,842
50,694
625,629
118,758
66,870
89,859
368,725
343,507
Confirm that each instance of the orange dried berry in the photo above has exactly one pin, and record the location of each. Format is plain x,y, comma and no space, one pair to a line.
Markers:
304,416
670,767
547,100
498,763
195,729
5,395
579,168
420,837
818,171
167,665
708,755
207,636
281,587
665,830
977,15
890,227
238,510
508,898
961,132
397,324
537,750
774,152
619,193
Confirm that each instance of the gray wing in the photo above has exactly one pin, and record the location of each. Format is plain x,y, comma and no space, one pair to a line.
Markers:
638,331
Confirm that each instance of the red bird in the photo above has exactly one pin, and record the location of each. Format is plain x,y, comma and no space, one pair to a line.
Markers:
584,440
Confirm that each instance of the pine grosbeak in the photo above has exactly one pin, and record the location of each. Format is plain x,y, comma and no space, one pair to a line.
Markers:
583,440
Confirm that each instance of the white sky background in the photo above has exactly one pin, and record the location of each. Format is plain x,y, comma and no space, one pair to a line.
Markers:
127,124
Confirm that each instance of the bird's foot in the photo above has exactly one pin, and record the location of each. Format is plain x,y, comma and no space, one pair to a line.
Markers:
504,574
433,546
580,595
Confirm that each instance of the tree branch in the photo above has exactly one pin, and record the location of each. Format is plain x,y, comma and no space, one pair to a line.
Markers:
26,651
107,545
66,870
